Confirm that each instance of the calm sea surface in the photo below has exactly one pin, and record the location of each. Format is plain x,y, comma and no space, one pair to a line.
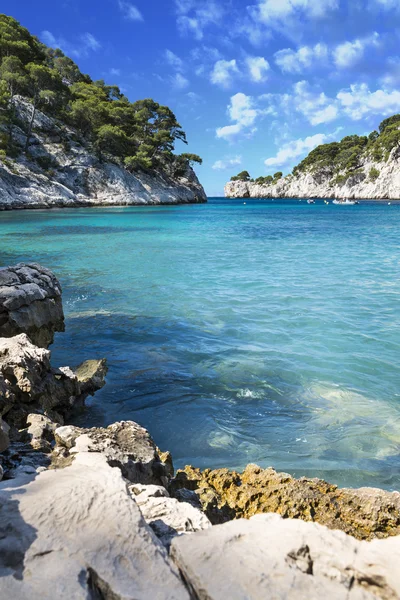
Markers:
264,332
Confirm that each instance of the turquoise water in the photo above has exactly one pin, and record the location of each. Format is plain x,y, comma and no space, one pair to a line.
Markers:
264,332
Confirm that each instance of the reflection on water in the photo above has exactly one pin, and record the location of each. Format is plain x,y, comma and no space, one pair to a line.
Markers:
264,333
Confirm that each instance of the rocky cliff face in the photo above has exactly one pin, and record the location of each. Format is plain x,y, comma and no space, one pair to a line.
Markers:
318,184
61,172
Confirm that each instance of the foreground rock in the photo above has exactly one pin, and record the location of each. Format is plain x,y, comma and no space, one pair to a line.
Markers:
28,383
268,557
364,513
76,533
30,302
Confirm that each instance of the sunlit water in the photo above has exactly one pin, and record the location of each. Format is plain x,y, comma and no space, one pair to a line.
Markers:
264,332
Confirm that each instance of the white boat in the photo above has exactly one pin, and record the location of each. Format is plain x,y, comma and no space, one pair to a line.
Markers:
344,202
310,201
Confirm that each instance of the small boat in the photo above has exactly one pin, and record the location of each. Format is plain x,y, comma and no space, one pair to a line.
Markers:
310,201
344,202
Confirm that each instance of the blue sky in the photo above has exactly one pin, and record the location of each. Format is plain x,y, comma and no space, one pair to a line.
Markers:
256,85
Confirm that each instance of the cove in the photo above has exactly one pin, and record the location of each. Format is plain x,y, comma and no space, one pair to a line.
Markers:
264,332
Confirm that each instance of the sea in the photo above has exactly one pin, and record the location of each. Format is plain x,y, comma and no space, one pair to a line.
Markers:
238,331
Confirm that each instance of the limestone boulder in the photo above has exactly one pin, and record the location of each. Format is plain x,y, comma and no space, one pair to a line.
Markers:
29,383
125,445
271,557
166,516
364,513
76,533
30,302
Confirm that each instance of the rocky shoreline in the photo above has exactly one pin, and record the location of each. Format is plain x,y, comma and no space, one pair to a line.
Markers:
100,513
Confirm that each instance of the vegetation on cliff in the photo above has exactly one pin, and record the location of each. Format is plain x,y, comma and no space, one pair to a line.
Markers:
344,159
138,135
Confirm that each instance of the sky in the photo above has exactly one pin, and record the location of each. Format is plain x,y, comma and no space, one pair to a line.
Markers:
255,84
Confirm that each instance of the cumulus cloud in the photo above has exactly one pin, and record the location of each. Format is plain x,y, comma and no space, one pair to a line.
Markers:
223,72
87,43
274,12
359,102
350,53
293,150
227,163
258,67
243,112
130,12
194,17
306,57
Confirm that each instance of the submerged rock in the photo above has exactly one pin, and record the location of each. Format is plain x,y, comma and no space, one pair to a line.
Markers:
30,302
269,557
364,513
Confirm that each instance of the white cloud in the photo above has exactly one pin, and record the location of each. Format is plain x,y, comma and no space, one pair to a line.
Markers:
350,53
258,67
192,19
314,105
227,163
293,150
243,112
359,102
115,72
173,60
90,42
179,81
272,11
388,4
306,57
130,11
223,71
87,43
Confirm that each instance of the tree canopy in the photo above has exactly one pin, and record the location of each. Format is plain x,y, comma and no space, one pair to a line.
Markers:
138,135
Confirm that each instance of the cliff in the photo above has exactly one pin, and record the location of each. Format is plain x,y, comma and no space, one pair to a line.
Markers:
359,167
61,171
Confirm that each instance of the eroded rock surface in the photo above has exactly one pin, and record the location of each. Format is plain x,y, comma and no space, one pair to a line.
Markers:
77,533
271,557
28,383
364,513
30,302
125,445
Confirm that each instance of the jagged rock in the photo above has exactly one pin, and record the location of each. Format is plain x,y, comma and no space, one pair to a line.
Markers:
28,382
4,437
269,557
77,533
78,177
126,445
166,516
30,302
40,432
364,513
91,375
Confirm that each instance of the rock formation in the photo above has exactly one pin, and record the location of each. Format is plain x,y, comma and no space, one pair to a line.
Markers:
30,302
74,176
318,183
364,513
271,557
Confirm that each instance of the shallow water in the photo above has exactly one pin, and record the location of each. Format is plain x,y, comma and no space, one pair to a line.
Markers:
264,332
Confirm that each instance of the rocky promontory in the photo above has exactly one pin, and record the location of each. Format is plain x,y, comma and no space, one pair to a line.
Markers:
62,171
99,514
